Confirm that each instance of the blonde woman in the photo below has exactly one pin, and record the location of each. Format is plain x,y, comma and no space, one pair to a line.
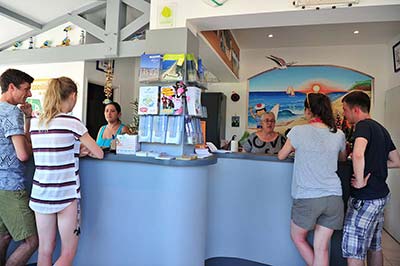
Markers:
56,137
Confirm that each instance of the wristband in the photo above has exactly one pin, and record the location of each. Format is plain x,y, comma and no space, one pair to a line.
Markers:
28,117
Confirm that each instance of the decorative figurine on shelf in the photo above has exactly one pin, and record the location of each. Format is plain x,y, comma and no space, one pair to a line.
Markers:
82,38
108,84
17,45
46,44
30,43
66,40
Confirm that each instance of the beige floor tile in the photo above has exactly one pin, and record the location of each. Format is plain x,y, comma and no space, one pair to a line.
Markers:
387,262
391,250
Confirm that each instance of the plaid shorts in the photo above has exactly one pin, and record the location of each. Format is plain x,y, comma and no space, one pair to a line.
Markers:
363,226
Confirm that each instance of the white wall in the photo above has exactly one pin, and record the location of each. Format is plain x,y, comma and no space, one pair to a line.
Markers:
392,214
394,78
73,70
392,110
233,108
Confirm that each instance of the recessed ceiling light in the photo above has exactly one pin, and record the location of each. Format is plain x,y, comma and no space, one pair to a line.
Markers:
356,32
270,35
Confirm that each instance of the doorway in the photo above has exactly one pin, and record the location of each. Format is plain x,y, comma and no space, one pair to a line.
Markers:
95,109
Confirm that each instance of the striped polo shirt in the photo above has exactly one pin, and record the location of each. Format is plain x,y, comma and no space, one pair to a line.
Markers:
56,152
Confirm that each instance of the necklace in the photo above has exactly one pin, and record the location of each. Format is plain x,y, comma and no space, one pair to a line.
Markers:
315,120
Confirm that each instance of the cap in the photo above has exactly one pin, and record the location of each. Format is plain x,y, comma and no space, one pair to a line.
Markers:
259,106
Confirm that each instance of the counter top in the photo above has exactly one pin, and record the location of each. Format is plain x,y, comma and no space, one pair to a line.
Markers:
109,156
253,156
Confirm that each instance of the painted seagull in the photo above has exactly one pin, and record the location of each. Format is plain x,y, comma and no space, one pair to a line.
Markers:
279,61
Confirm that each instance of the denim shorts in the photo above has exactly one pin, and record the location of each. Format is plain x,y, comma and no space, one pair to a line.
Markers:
363,227
326,211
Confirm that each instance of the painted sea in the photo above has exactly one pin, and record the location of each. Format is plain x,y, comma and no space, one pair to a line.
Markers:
291,107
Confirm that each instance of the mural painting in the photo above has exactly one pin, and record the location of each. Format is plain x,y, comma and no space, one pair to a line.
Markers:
283,92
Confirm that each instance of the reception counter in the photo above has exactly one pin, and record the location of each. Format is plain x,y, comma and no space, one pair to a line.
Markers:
230,209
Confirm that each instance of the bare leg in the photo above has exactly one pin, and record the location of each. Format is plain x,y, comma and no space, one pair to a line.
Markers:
4,242
375,258
24,251
299,237
67,223
47,227
322,237
355,262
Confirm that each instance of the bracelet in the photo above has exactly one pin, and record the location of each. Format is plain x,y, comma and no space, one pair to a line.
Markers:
28,117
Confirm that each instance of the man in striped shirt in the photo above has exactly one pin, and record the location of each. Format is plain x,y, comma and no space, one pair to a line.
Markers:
16,219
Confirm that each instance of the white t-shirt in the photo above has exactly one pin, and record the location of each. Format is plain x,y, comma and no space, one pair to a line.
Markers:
56,153
315,162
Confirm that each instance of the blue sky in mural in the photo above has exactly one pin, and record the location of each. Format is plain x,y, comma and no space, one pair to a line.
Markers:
296,76
288,88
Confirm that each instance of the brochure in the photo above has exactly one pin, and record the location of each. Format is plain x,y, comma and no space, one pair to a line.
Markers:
148,100
150,65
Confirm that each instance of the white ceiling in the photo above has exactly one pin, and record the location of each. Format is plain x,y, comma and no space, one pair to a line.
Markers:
246,29
39,11
318,35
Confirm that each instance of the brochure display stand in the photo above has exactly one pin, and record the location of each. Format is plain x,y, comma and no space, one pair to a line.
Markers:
169,105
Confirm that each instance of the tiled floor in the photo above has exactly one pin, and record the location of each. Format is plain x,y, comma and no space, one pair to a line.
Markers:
391,250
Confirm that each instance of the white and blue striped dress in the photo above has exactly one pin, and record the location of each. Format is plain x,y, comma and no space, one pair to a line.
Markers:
56,153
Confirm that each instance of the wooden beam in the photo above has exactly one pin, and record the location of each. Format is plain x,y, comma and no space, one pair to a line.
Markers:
20,19
134,26
52,24
139,5
90,27
112,27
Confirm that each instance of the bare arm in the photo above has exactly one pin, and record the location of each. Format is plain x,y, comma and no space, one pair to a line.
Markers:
124,130
394,159
94,150
286,150
23,148
359,162
98,134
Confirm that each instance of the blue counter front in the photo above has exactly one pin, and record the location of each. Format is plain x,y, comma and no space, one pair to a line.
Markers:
231,210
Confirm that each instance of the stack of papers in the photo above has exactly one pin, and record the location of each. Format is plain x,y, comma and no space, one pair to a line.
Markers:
202,153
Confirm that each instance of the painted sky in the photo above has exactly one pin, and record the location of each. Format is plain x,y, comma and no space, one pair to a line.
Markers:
298,76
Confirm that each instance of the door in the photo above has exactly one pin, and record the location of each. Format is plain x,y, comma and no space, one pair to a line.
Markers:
95,109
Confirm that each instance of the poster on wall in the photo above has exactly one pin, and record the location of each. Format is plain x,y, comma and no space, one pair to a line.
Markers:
38,89
283,92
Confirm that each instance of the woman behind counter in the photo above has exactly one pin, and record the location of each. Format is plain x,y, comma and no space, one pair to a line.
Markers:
266,140
316,187
114,127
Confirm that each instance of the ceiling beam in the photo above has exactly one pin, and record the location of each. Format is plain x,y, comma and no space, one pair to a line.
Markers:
139,22
90,27
20,19
140,5
112,32
70,53
134,26
53,23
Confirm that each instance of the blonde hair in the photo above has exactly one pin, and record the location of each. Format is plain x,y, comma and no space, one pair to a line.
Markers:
58,91
267,113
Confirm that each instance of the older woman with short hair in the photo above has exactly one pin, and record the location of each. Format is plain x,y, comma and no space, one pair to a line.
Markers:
266,140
